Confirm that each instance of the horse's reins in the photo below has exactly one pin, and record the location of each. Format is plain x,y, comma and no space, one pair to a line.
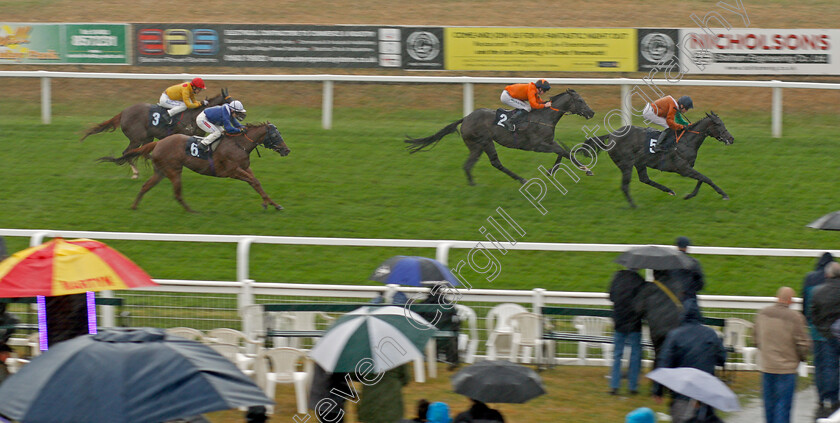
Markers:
245,134
686,129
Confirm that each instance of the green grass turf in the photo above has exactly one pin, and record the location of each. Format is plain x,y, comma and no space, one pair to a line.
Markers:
357,181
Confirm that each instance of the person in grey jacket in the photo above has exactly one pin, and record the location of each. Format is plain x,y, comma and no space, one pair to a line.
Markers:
782,339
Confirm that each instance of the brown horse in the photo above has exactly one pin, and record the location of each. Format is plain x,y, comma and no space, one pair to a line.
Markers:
141,125
230,159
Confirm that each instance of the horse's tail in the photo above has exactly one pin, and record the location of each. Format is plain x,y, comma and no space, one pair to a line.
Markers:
143,150
417,144
109,125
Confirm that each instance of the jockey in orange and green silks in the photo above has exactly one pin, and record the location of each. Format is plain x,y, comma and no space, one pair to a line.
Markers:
180,97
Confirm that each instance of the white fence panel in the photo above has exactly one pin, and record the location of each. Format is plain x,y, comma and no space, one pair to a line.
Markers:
467,82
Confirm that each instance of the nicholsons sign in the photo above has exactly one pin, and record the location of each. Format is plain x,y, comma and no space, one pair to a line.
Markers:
761,51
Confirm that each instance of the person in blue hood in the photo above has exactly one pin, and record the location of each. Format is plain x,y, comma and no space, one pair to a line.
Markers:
438,413
693,345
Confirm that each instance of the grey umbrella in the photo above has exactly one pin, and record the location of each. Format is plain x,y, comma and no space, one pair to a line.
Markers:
498,381
829,222
126,375
697,384
654,257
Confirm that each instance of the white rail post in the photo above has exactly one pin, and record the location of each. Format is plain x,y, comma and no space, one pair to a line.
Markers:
442,253
243,247
626,117
46,105
469,98
107,311
327,106
777,112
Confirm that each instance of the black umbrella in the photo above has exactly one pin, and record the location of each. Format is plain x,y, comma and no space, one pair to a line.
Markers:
498,381
654,257
829,222
126,375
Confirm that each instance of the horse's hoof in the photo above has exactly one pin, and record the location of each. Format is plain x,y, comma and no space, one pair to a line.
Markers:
278,207
589,173
265,206
689,196
672,193
134,176
725,197
522,181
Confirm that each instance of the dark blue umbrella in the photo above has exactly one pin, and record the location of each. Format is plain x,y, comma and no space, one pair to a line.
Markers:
126,375
412,271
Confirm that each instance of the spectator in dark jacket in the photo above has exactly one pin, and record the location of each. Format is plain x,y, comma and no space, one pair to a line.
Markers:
445,319
823,309
422,410
692,345
660,304
691,278
826,350
627,321
825,301
479,413
330,391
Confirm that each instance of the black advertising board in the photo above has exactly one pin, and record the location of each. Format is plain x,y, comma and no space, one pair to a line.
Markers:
352,46
422,48
657,45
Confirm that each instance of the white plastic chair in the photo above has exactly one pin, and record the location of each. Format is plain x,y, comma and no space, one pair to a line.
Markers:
298,320
33,342
467,342
188,333
244,359
500,339
735,335
595,326
281,366
527,336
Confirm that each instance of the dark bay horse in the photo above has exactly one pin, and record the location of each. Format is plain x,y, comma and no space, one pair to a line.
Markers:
479,130
140,127
231,159
629,147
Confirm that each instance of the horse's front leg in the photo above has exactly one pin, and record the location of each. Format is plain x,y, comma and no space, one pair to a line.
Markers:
643,177
693,174
693,193
247,175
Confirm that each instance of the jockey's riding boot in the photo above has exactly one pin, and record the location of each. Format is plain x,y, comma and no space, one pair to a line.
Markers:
663,143
204,145
515,118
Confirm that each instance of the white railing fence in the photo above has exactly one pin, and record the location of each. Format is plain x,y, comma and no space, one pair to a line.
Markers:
216,303
467,83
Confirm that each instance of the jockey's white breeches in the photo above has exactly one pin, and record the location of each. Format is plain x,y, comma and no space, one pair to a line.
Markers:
207,126
650,115
169,103
514,102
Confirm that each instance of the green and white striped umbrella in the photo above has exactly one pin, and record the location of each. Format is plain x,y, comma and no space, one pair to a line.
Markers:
385,337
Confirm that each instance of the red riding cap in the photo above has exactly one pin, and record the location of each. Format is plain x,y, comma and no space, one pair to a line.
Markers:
198,83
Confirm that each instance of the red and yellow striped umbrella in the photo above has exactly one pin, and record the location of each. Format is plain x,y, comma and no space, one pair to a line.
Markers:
64,267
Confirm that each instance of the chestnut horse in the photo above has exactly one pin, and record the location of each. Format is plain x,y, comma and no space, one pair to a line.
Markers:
230,159
141,126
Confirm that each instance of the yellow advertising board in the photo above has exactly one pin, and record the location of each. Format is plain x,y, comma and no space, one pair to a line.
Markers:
541,49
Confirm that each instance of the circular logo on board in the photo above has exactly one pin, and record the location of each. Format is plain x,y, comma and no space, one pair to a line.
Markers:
657,47
422,45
